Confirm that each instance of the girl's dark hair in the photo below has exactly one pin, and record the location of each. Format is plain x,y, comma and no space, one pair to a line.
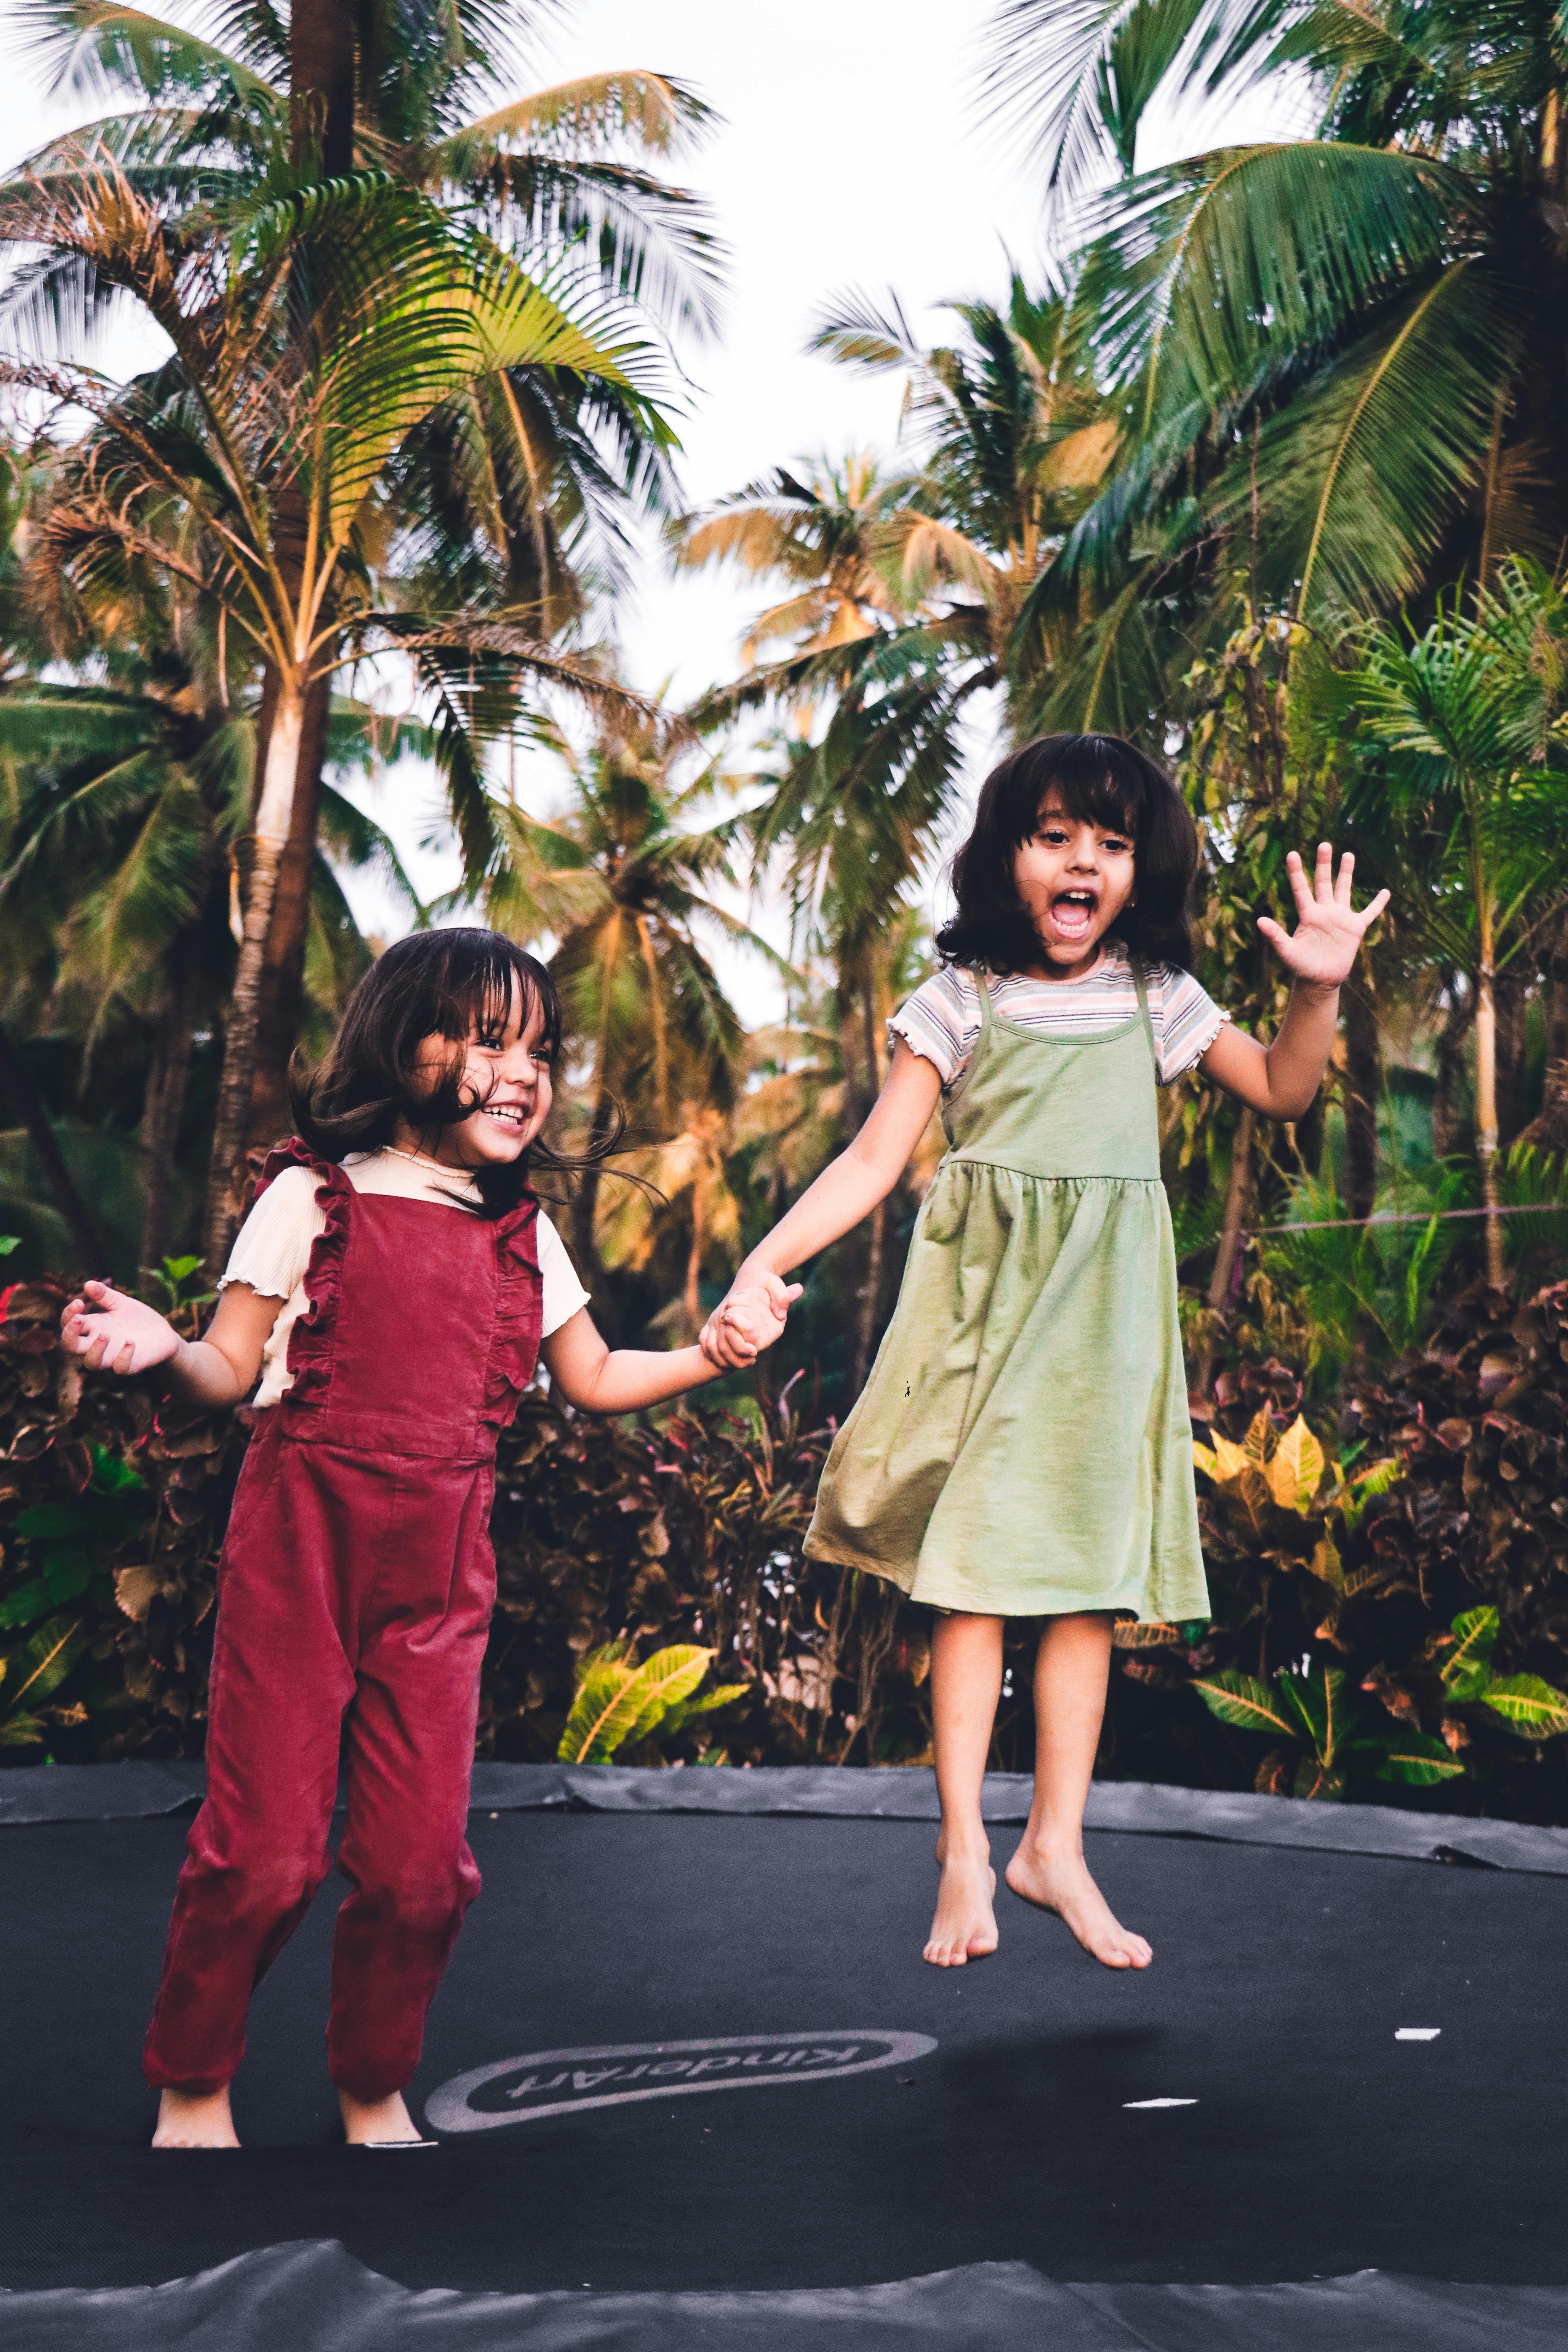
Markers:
440,984
1102,780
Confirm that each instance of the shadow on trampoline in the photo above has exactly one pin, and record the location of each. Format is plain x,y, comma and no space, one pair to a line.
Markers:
1336,2094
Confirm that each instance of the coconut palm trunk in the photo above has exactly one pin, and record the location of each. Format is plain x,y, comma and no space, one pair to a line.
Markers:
1486,1091
164,1104
1364,1087
322,71
870,1299
281,995
274,818
1238,1200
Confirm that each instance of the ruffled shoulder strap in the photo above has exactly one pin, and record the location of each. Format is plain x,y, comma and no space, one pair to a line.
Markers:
312,1337
520,1312
295,1153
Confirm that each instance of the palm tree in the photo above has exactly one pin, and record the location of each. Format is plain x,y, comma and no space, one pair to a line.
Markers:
1349,342
821,528
516,484
1473,718
203,470
622,878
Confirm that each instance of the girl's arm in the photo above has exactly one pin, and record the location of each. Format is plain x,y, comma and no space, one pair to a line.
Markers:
1282,1079
113,1333
848,1190
598,1378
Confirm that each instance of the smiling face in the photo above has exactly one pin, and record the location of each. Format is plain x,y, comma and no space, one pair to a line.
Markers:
1074,877
506,1071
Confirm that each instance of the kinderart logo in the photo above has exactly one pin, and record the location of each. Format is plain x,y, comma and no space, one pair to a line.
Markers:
563,2082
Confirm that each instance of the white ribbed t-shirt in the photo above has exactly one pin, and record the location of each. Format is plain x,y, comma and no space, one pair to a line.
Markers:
941,1021
272,1248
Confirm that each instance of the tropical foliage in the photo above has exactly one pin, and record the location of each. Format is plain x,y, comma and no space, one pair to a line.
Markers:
1259,459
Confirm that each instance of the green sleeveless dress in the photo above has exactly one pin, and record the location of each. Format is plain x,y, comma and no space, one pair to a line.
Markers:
1023,1447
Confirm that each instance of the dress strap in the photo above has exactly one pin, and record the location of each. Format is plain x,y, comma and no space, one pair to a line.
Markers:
984,994
1140,983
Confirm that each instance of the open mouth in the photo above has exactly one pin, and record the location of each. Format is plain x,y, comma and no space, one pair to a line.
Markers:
1072,913
512,1115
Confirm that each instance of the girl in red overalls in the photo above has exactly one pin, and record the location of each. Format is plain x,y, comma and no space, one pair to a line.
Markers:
393,1338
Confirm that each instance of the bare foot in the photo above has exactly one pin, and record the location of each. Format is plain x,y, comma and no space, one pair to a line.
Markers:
196,2120
379,2123
964,1928
1061,1883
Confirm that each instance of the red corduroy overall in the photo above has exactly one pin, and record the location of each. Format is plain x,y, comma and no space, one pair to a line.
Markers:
355,1597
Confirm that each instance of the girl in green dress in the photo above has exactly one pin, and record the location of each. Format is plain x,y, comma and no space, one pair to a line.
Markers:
1022,1447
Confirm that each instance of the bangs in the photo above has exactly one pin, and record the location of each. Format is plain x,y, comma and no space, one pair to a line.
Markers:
1092,775
478,976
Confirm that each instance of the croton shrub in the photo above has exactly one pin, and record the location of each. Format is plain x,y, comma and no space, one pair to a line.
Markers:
1389,1592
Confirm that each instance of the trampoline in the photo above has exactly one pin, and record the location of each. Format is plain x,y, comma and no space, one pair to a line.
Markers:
692,2085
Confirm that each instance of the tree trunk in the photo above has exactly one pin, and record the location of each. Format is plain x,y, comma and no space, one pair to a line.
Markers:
16,1082
281,995
1548,1130
1237,1197
164,1102
584,1205
321,61
274,818
1486,1111
321,84
1363,1089
869,1305
1450,1070
1512,1072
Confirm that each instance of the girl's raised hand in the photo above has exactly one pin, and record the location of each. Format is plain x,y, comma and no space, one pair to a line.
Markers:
1328,931
114,1333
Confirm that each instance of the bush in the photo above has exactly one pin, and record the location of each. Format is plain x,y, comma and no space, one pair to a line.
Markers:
1419,1588
1412,1589
112,1511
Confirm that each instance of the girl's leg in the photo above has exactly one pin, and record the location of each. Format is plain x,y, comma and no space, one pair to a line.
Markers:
965,1685
409,1753
1072,1673
257,1850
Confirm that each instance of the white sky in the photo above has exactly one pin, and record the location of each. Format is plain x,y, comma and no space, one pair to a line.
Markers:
853,153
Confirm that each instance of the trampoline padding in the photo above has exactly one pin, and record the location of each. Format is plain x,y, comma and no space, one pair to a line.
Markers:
317,2298
87,1792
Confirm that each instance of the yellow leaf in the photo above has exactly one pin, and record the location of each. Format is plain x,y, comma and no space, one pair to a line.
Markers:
1232,1459
1205,1461
1296,1468
1259,1439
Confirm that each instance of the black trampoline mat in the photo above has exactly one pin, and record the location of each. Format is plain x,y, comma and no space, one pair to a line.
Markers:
1318,2145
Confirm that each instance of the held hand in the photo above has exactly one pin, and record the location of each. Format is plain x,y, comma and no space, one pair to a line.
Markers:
1323,946
746,1322
114,1333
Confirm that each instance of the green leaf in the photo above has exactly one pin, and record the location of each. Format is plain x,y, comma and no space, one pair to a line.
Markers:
1528,1706
600,1677
43,1662
666,1679
8,1241
1417,1760
705,1702
28,1601
1250,1706
1468,1668
1317,1701
54,1520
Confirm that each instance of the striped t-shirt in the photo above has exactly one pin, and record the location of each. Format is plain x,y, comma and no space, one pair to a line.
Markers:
941,1021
